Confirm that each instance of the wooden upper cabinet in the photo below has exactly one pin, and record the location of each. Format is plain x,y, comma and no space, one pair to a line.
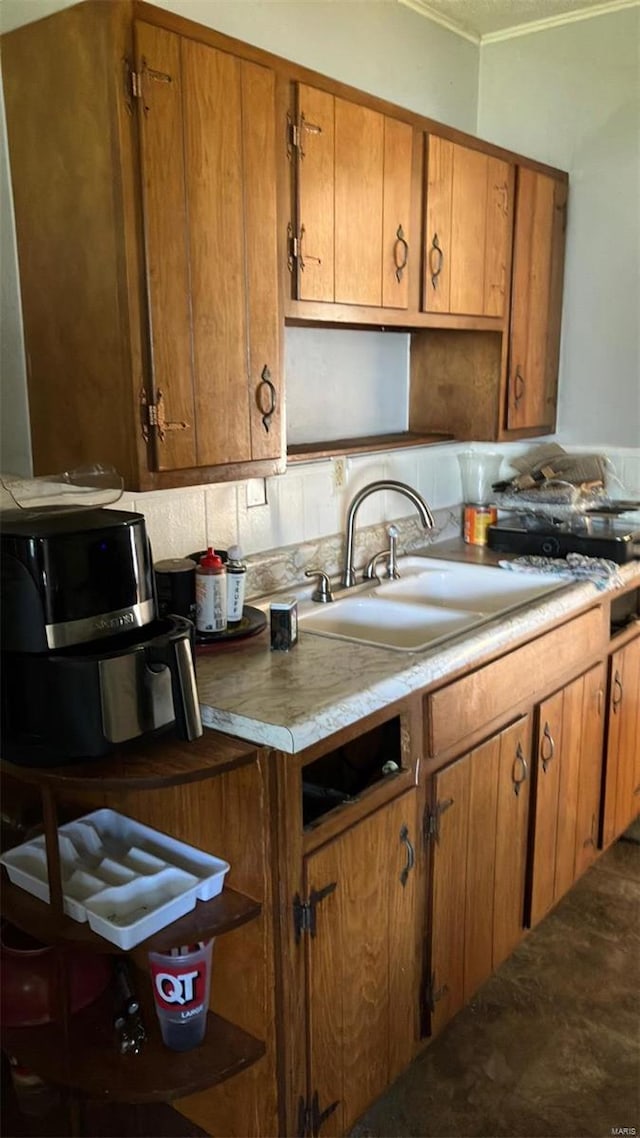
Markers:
468,223
353,202
207,141
536,300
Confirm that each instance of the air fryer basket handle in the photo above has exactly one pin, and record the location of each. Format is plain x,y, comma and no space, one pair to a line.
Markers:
175,652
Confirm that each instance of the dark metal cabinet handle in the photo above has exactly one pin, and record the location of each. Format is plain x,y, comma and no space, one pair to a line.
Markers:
401,247
518,386
519,766
547,747
411,855
268,412
618,692
435,272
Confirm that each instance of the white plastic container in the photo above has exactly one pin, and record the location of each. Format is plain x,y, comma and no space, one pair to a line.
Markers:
127,880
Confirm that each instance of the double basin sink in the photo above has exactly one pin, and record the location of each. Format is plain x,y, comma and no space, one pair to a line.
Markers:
432,601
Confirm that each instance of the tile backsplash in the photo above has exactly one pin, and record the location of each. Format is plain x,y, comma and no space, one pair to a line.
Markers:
307,502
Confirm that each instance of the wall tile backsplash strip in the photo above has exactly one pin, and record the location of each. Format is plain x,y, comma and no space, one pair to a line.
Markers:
295,510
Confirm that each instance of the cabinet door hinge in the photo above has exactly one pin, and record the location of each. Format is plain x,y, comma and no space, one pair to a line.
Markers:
304,912
432,819
293,247
136,84
154,420
433,994
311,1118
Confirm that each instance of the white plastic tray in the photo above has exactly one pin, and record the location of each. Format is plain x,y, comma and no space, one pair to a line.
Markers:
124,878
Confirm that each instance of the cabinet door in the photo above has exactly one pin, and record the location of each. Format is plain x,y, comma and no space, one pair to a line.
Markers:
353,202
467,231
590,779
536,300
567,788
362,990
622,781
481,807
512,829
207,140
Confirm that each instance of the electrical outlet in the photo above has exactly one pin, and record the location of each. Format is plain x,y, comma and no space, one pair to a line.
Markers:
256,492
339,466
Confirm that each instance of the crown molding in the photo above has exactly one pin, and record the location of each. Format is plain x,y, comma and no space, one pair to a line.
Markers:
558,21
423,8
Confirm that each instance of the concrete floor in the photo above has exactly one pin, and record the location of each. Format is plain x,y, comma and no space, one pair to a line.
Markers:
550,1045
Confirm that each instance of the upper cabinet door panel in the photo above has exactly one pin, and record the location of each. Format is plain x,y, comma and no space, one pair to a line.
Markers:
207,140
315,183
214,190
259,158
359,166
166,239
354,168
396,233
538,260
468,230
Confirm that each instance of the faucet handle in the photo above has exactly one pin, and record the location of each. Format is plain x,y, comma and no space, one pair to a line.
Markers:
392,533
322,594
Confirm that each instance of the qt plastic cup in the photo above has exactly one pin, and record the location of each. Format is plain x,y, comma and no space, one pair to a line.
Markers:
181,982
478,471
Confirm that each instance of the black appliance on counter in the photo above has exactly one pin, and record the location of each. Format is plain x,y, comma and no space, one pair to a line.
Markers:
86,663
590,534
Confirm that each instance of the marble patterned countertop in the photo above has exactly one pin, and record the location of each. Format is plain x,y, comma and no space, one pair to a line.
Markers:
291,700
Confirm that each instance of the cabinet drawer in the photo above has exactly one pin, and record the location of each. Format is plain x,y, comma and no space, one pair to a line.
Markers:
462,708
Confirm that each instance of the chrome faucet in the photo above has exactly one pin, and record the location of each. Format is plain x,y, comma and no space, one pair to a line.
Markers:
426,517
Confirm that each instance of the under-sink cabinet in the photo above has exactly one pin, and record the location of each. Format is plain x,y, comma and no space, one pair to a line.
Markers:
476,826
567,774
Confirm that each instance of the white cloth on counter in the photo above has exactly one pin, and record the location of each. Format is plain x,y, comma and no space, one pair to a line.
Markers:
573,567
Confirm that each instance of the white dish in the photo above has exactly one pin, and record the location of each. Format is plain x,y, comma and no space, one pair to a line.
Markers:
125,878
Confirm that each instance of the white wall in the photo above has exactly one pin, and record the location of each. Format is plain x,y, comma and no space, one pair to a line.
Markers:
570,97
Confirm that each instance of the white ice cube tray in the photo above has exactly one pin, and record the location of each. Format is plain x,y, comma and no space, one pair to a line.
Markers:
124,878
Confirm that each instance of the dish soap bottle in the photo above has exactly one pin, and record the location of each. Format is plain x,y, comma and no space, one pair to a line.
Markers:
236,580
211,594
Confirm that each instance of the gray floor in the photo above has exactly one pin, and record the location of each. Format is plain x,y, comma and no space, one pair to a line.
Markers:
550,1045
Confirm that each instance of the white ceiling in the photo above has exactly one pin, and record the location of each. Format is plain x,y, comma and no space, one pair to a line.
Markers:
486,20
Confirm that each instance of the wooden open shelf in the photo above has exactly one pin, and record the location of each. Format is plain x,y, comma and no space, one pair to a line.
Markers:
228,911
306,452
84,1055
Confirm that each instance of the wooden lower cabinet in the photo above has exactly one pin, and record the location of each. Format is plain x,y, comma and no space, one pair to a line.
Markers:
361,965
478,825
567,776
622,770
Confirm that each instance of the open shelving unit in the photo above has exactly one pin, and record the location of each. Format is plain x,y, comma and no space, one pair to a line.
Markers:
80,1051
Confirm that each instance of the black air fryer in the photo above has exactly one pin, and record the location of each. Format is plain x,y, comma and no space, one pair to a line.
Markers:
86,663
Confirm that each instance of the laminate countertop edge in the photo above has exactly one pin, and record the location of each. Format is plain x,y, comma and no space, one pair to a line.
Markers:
292,700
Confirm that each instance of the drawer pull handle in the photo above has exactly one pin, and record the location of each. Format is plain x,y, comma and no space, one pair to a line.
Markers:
435,271
519,765
618,692
547,747
411,856
401,246
518,387
267,413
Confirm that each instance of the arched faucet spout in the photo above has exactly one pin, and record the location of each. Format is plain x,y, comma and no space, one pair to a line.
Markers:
426,517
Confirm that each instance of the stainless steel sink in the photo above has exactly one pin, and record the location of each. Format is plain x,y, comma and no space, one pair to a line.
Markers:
432,601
